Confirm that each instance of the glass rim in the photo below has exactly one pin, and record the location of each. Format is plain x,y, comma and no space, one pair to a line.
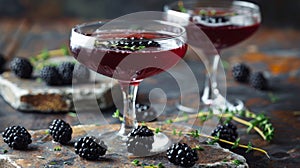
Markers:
251,5
103,22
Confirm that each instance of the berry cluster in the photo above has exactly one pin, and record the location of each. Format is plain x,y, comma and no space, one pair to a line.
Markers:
214,19
227,132
140,141
17,137
21,67
90,148
241,73
60,131
63,74
134,44
51,75
181,154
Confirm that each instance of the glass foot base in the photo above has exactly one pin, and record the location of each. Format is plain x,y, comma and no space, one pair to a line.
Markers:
190,106
118,144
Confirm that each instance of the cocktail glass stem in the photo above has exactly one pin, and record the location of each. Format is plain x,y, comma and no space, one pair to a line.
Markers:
211,93
129,92
210,87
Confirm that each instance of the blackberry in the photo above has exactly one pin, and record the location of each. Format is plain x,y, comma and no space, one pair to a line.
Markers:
60,131
258,81
21,67
65,70
90,148
140,141
17,137
2,63
144,113
51,76
134,44
181,154
241,72
214,19
81,73
227,132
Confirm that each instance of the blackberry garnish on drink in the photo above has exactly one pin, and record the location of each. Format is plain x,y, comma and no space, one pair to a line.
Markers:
134,44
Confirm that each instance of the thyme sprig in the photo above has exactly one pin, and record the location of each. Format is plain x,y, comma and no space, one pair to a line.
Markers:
38,61
214,139
260,123
257,120
181,7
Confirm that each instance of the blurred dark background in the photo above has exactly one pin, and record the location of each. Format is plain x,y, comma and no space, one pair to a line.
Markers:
276,13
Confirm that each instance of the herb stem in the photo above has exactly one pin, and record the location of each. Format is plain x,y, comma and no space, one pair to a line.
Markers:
249,124
215,138
239,120
232,143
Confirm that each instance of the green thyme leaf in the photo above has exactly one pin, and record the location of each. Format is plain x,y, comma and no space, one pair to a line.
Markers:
237,162
157,130
136,162
236,143
174,132
72,114
250,148
57,148
180,133
169,121
198,147
273,98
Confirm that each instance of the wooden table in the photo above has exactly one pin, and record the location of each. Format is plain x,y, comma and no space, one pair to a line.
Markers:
275,51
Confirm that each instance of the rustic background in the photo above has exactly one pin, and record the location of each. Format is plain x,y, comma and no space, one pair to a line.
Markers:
276,13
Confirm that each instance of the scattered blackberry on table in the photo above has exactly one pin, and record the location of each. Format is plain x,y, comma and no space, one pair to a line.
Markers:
258,81
60,131
241,72
134,44
90,148
144,113
2,63
50,75
17,137
227,132
181,154
65,70
21,67
81,73
140,141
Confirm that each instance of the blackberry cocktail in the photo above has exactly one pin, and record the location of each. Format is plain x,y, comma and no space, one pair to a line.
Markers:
130,51
225,23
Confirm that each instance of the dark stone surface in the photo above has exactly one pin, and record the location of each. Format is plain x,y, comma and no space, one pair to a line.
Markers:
41,153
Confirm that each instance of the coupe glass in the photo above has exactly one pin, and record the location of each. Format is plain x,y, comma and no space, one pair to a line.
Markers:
226,23
129,51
